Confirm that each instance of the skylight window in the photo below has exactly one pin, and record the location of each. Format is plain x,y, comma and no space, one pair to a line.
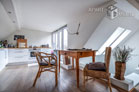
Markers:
119,35
122,37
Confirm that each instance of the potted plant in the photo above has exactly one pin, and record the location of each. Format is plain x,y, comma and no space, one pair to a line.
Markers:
121,56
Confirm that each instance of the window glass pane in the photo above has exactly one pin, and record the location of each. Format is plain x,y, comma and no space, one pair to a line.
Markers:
115,39
56,40
121,38
110,40
60,40
65,38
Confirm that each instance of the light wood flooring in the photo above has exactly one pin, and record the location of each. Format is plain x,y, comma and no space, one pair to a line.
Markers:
20,79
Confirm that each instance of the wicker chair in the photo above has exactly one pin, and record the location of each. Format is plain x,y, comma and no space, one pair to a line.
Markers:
46,62
100,74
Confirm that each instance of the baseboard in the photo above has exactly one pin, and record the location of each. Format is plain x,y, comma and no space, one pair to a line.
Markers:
17,63
68,67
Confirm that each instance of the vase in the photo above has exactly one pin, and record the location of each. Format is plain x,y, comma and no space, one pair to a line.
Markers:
120,68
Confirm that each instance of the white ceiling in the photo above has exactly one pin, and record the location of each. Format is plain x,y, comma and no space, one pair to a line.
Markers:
135,3
49,15
6,25
128,8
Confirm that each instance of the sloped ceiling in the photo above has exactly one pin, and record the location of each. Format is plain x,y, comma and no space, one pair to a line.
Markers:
89,23
105,29
49,15
6,25
128,8
135,3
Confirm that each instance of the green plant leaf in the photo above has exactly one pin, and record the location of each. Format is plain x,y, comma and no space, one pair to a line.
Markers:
122,54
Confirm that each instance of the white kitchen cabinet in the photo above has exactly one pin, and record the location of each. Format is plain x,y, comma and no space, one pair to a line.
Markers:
3,58
23,55
33,59
18,55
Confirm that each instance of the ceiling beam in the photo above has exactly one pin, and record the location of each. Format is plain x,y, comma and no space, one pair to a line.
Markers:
11,12
135,3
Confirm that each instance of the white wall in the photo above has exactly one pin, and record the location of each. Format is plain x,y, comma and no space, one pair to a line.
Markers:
6,25
88,22
34,38
134,61
105,29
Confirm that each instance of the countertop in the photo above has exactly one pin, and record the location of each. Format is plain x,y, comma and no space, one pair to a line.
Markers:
26,48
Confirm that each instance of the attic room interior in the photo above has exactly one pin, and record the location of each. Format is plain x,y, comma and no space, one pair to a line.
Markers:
69,46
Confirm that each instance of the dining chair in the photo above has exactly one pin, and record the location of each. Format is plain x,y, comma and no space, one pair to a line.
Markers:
46,62
99,73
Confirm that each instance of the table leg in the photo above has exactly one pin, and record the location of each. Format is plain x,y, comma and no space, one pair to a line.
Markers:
72,63
59,59
93,59
77,72
93,56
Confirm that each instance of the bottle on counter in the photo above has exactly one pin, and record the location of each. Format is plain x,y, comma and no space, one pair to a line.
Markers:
0,44
5,44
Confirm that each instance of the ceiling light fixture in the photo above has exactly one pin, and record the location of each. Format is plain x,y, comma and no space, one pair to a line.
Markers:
76,33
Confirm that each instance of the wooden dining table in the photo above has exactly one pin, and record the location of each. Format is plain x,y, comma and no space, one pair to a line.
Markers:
76,54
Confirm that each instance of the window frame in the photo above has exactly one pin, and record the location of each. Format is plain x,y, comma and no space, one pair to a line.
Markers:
58,42
114,41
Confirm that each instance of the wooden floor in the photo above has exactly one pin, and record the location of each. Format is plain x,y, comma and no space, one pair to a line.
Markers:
20,79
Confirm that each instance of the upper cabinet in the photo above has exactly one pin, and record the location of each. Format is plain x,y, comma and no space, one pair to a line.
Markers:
21,43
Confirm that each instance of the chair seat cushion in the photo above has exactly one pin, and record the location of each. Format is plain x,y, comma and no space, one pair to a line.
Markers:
45,64
98,66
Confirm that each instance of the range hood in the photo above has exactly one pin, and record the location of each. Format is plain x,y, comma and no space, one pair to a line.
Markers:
135,3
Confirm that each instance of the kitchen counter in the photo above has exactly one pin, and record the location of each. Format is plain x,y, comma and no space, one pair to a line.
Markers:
27,48
15,56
